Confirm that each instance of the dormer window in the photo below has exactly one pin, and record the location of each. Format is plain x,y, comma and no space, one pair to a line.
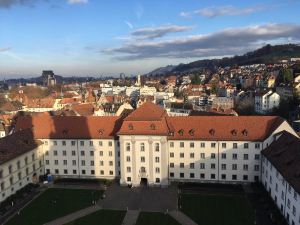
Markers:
212,132
234,132
180,132
65,132
152,126
130,127
245,132
101,131
191,132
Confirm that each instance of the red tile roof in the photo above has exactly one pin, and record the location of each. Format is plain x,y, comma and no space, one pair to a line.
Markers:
151,119
238,128
71,127
17,144
147,112
86,109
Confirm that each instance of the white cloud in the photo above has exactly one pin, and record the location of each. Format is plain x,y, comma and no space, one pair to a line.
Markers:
130,25
73,2
158,32
224,42
212,12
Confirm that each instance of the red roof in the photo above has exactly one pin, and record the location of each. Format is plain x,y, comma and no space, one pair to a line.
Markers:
151,119
70,127
147,112
238,128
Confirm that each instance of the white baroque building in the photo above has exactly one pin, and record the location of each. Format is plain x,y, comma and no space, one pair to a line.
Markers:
149,147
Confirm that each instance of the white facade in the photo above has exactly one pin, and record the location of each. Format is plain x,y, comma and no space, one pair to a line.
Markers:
20,171
266,102
283,194
82,158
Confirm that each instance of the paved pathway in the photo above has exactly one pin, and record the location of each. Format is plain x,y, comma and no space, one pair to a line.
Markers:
181,218
152,199
131,217
73,216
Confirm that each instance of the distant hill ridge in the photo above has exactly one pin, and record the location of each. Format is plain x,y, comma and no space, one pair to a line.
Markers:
266,55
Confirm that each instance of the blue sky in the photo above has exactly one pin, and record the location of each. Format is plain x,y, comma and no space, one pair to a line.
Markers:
93,37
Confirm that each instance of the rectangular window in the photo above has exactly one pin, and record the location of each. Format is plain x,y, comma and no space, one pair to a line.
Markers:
171,154
213,145
91,153
223,155
100,143
82,153
223,166
181,144
246,145
234,156
192,175
257,157
181,155
172,144
192,166
192,155
157,170
171,165
234,166
65,162
64,143
202,166
246,156
91,143
110,143
64,153
157,147
213,156
81,143
223,145
128,169
157,159
192,144
73,153
142,147
202,155
73,143
245,167
92,163
181,165
234,145
213,166
142,159
257,145
202,144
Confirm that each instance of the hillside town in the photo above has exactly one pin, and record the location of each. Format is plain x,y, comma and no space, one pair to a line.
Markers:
257,89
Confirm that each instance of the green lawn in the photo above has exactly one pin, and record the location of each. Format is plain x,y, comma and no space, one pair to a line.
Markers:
54,203
101,217
217,209
153,218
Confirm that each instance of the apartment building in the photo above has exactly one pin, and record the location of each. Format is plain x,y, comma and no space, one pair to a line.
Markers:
21,162
266,101
281,175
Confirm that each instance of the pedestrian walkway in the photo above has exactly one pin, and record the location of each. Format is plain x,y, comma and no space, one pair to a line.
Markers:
73,216
131,217
181,218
